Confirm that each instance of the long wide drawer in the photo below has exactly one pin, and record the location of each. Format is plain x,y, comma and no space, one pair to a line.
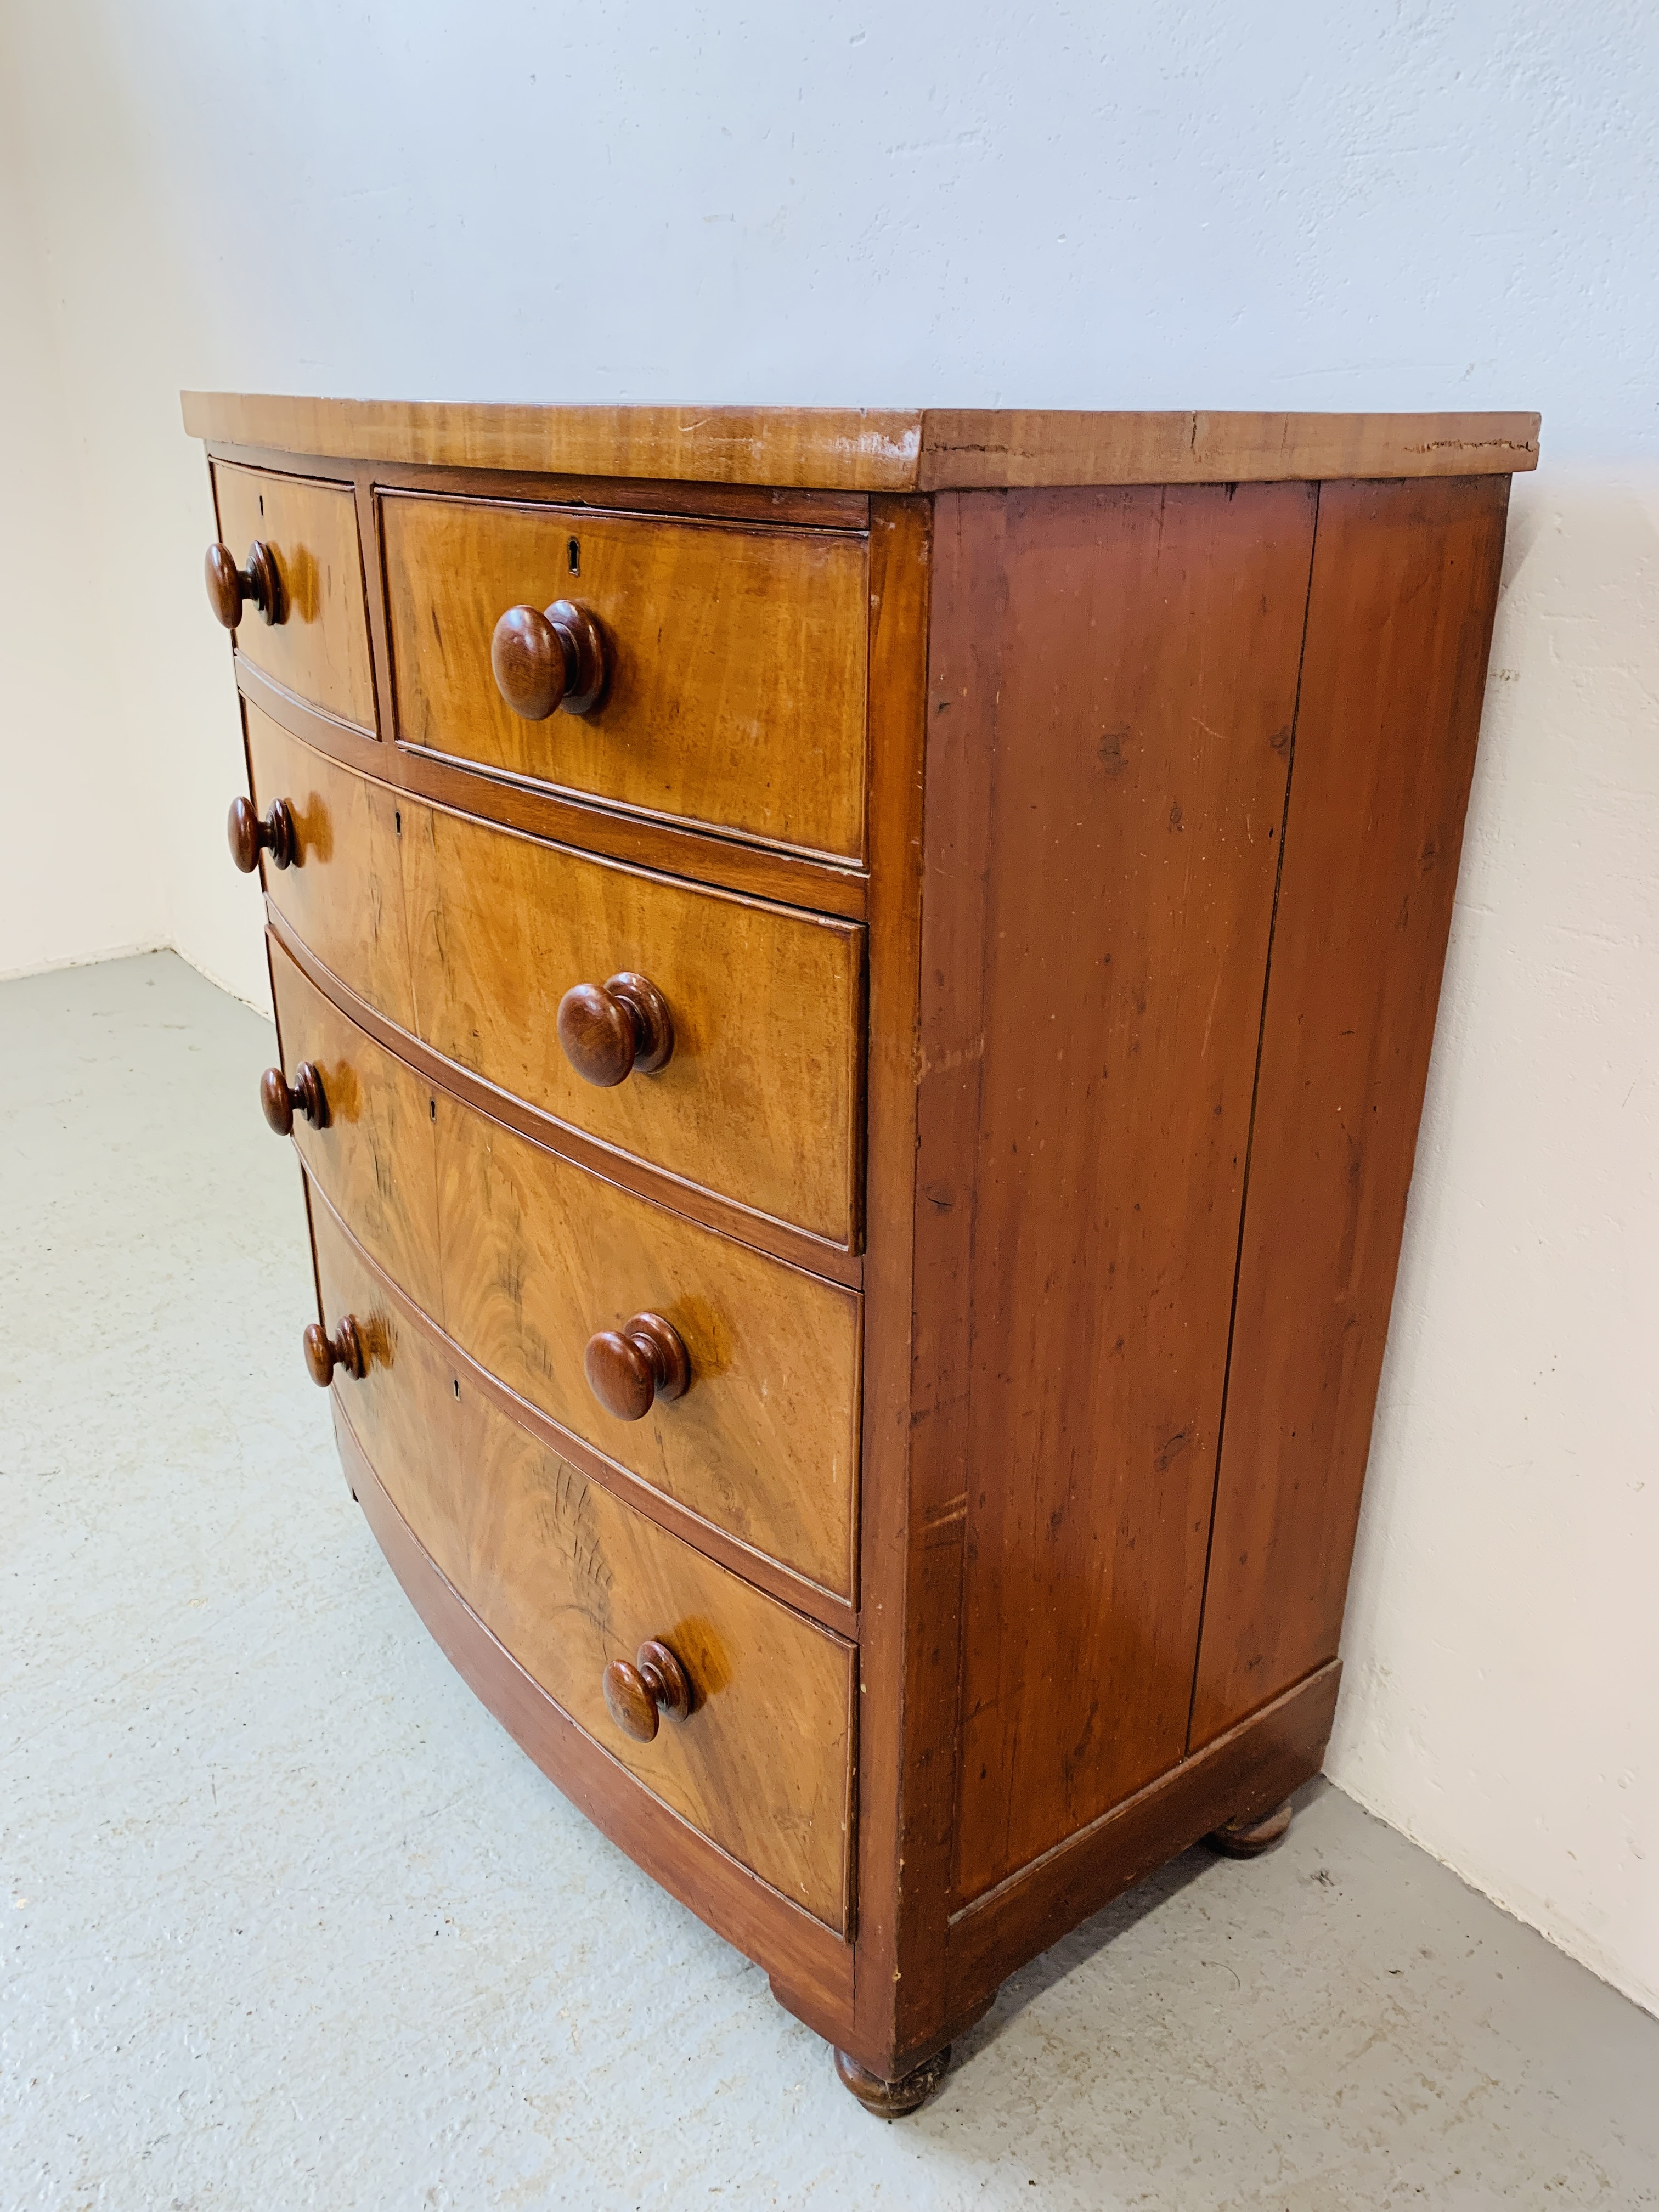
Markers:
736,658
523,1258
570,1580
470,936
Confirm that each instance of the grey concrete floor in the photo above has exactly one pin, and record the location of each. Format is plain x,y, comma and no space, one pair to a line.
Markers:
287,1921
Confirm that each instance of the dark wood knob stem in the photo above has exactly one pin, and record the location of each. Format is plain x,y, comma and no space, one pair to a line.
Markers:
280,1101
609,1029
655,1684
230,588
630,1367
249,836
324,1352
546,659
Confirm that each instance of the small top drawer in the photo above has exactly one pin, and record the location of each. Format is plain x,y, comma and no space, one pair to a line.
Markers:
318,647
734,678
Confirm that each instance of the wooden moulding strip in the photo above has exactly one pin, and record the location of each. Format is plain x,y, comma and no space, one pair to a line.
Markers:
706,858
810,1967
1240,1776
826,1607
901,568
651,499
778,1240
875,450
975,451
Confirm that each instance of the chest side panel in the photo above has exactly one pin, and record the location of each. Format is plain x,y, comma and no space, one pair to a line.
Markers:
1131,768
1405,583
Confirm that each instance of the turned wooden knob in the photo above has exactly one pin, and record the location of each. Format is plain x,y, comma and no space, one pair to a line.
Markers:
655,1684
276,834
230,588
608,1029
630,1367
548,659
281,1100
324,1352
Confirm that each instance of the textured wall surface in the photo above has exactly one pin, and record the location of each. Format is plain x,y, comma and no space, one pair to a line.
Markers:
1373,206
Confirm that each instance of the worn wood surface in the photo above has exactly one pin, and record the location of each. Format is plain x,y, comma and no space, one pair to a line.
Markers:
670,849
899,1894
762,1097
1405,584
1126,663
811,1968
795,1590
343,894
1246,1772
568,1578
735,676
787,505
538,1255
794,1246
975,448
320,648
376,1158
869,450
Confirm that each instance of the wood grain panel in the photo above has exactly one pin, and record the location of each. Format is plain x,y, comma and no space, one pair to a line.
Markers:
1133,680
795,1247
909,1582
375,1160
320,649
670,849
1248,1771
737,660
761,1099
344,896
1405,584
857,449
809,1966
568,1579
989,448
538,1255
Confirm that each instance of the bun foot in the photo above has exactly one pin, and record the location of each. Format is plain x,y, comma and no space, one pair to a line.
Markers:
891,2101
1248,1839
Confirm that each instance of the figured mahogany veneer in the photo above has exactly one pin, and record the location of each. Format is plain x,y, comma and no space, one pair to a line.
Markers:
570,1580
530,1261
854,994
470,936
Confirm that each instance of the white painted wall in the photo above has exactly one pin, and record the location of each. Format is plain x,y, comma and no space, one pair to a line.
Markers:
1207,203
76,820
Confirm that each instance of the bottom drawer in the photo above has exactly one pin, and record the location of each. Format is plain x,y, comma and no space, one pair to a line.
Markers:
568,1579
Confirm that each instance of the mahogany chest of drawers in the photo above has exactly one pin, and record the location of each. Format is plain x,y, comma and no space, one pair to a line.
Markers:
854,994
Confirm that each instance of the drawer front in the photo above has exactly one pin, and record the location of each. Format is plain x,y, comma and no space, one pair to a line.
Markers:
319,650
344,894
523,1257
540,1256
374,1156
761,1098
568,1579
736,659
